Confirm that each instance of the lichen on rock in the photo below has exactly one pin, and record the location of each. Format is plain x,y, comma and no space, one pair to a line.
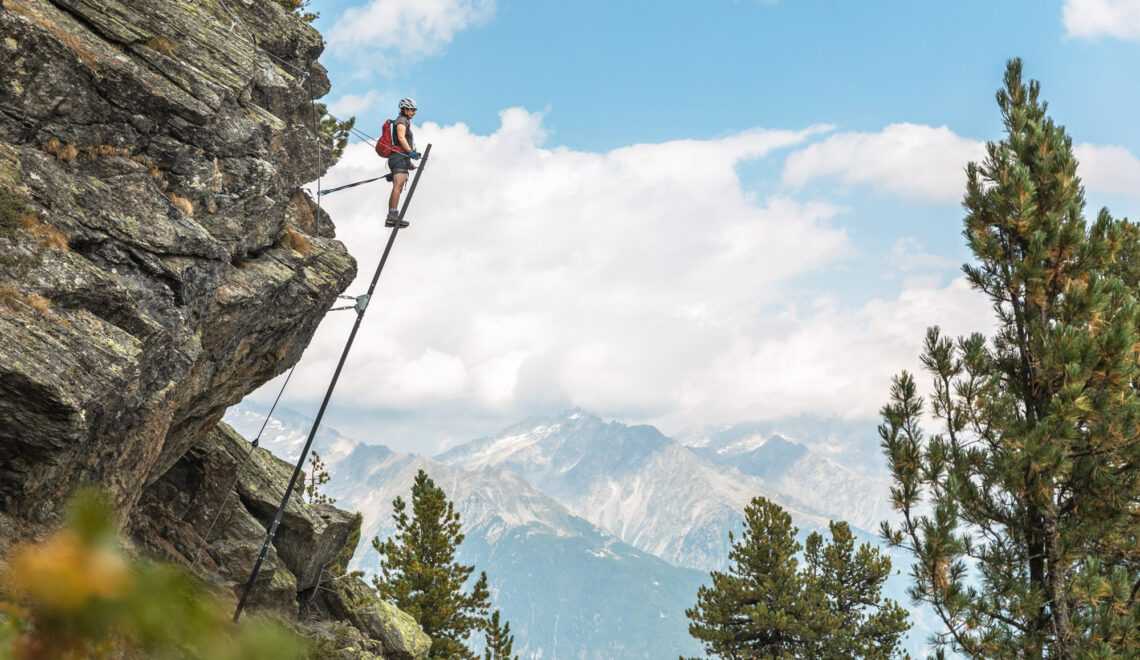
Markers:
168,150
159,260
190,517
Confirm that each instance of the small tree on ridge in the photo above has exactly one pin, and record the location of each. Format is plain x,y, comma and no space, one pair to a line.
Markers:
419,573
765,607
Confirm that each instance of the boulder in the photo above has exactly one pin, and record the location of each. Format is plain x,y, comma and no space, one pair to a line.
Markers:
212,510
350,599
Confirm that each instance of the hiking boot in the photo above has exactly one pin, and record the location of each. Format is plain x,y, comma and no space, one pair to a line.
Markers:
392,219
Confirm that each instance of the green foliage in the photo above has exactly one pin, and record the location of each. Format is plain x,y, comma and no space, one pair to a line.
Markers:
77,594
766,607
318,477
418,571
1021,512
11,208
335,129
299,7
500,641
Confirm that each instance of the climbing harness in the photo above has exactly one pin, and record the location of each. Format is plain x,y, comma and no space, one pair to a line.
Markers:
361,307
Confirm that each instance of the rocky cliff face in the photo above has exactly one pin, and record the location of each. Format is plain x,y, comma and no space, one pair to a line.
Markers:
158,260
192,517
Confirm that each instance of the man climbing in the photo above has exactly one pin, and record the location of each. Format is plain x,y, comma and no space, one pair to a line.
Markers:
401,161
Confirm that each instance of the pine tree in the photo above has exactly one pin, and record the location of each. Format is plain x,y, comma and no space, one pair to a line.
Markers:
418,571
1022,511
844,587
500,641
319,477
765,607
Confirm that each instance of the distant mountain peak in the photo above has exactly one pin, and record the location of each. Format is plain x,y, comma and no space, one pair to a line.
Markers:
777,441
576,413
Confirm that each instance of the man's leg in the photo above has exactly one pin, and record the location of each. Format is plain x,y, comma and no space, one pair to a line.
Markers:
398,181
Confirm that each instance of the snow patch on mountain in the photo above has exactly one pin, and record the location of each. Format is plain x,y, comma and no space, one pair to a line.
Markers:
746,444
657,495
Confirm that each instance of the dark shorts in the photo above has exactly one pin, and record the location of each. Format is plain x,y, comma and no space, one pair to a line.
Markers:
399,163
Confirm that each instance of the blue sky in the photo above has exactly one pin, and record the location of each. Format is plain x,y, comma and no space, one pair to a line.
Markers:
684,213
647,66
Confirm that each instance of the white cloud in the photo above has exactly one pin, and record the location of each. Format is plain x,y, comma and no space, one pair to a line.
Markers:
625,282
1108,169
1092,19
909,160
382,30
828,359
355,104
535,278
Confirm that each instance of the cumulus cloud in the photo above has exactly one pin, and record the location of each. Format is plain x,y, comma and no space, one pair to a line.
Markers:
910,160
382,30
1108,169
1092,19
928,164
828,358
535,278
625,282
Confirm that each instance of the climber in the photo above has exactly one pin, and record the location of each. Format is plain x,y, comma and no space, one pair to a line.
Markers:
401,161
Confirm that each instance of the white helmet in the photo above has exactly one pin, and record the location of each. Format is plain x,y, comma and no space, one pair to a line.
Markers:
407,103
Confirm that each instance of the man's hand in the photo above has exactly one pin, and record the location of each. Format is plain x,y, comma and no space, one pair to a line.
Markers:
414,155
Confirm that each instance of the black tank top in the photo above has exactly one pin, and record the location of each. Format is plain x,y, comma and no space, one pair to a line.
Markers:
407,132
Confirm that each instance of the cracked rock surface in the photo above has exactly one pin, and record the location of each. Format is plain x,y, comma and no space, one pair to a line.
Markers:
191,517
158,260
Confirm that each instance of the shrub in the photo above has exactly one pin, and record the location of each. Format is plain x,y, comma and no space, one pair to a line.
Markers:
77,594
11,298
66,153
298,8
152,167
94,151
335,129
295,240
182,204
12,208
47,235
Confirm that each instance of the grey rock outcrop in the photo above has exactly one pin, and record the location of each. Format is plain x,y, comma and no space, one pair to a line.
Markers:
158,260
192,517
350,599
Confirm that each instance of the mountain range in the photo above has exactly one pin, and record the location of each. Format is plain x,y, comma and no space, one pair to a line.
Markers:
672,501
595,535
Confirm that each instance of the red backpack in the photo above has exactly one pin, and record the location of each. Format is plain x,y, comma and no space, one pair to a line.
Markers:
384,146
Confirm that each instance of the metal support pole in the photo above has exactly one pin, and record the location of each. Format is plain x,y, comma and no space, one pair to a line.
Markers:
360,309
